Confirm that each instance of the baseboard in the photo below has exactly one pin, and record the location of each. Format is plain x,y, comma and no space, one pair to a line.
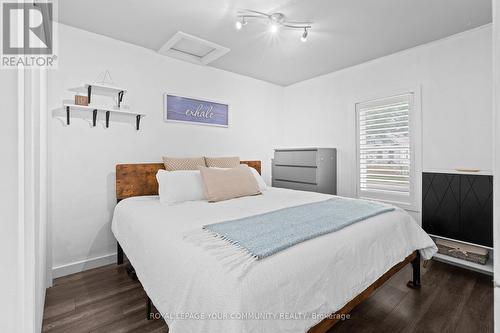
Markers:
83,265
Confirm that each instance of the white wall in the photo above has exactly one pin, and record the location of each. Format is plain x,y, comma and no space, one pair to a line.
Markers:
82,159
455,79
8,202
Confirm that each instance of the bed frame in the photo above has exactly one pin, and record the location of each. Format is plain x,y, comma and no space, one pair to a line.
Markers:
140,179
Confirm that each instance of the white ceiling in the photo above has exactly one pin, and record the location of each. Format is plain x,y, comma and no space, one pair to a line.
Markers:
344,33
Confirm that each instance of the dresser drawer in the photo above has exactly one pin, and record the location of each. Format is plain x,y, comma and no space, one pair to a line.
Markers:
295,173
296,157
294,185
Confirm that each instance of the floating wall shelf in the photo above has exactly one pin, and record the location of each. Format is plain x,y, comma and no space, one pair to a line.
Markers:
107,90
95,109
102,89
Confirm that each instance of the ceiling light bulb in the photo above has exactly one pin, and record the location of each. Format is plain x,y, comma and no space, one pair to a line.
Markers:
304,36
239,25
273,28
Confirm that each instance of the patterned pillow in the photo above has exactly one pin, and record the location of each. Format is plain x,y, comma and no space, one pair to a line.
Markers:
222,162
173,164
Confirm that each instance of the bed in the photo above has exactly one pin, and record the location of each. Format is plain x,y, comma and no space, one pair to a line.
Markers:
305,288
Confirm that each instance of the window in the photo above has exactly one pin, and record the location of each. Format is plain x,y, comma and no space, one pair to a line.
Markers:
385,147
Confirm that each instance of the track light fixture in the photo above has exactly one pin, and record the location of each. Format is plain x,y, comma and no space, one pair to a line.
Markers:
275,21
273,28
241,23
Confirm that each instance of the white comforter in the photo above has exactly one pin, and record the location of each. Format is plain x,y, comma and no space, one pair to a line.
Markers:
288,292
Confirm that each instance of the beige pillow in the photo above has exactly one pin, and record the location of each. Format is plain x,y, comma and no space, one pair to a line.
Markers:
222,162
220,184
173,164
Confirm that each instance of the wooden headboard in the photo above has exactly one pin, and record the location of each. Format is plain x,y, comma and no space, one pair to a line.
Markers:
133,180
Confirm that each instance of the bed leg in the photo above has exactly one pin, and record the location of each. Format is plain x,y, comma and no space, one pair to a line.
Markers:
119,254
131,272
149,315
415,263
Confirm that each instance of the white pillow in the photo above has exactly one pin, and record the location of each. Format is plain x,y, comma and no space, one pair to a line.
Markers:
258,177
260,180
179,186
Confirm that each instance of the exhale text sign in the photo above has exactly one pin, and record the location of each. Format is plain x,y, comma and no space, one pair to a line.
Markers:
183,109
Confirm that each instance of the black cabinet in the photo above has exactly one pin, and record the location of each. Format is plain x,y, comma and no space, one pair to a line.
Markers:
458,206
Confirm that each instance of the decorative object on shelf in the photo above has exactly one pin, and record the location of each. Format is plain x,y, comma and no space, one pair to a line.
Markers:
81,100
463,251
468,170
275,21
195,111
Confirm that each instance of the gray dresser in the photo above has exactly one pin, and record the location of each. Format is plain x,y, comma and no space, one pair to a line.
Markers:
306,169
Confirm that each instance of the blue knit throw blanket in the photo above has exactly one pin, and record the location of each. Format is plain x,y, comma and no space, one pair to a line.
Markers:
242,241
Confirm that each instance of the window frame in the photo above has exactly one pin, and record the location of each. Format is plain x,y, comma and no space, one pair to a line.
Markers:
415,129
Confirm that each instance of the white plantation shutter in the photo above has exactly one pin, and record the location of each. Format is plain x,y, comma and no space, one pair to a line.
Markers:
385,149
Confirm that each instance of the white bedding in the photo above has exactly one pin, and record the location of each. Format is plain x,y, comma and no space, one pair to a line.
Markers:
289,291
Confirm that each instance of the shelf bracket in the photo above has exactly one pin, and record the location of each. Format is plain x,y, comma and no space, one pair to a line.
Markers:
137,121
67,115
107,119
94,117
89,92
120,97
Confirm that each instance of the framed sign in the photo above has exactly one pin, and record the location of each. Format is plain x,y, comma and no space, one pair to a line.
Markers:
195,111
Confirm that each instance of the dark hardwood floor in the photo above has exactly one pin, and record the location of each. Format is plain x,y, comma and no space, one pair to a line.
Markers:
451,300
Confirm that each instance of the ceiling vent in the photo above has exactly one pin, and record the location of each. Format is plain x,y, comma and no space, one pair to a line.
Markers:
193,49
